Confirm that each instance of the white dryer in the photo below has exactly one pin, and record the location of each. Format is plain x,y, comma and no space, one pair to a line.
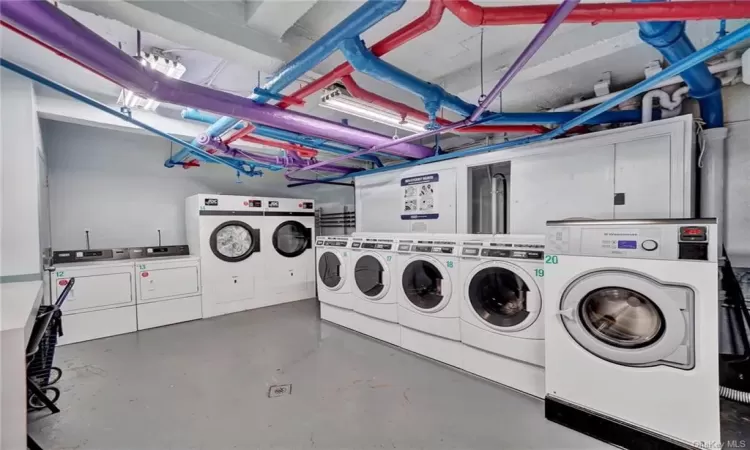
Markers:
632,331
225,232
502,322
289,257
375,287
168,286
102,302
428,302
334,280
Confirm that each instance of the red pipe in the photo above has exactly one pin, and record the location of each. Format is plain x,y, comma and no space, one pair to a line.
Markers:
53,50
405,110
475,16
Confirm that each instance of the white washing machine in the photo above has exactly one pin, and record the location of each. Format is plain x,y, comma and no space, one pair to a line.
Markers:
289,256
334,280
225,232
502,321
375,286
168,285
632,331
102,302
428,302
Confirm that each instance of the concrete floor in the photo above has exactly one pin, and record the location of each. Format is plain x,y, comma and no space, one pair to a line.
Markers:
205,385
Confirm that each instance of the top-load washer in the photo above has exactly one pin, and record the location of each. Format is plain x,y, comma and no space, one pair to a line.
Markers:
102,302
334,280
225,232
632,331
502,321
375,286
168,285
428,302
289,256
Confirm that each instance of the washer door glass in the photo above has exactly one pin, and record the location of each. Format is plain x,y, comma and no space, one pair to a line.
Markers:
498,296
329,269
423,284
621,317
368,274
233,241
291,238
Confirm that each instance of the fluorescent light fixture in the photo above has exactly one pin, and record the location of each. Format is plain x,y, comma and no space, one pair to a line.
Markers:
155,61
338,99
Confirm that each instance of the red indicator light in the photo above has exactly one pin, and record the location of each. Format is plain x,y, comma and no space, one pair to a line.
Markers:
692,231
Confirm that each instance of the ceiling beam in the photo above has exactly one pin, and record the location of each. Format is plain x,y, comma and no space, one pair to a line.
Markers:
275,17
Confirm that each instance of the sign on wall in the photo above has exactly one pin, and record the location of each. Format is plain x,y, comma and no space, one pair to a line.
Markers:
420,197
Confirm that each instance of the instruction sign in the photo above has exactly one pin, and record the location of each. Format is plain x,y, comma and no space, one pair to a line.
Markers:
420,197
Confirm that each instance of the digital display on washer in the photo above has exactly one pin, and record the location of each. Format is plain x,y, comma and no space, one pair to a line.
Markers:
377,246
337,243
495,253
627,245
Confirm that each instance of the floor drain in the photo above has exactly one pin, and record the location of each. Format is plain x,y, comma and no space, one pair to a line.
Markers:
278,390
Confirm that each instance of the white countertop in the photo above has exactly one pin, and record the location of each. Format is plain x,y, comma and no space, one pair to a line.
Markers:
18,303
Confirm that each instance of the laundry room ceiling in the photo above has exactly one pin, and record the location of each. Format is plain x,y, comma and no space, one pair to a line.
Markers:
231,44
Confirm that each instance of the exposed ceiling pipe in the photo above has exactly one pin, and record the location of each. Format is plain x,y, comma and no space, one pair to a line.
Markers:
562,11
715,48
54,27
424,23
358,92
476,16
359,21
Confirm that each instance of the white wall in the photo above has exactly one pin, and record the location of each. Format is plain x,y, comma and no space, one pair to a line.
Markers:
20,156
115,184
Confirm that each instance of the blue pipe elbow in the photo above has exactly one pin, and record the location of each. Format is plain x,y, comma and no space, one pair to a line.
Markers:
670,39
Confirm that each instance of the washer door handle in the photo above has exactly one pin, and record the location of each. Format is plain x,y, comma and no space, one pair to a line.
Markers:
568,314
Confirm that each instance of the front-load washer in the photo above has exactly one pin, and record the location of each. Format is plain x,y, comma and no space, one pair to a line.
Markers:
168,285
375,287
103,301
334,280
428,310
289,257
225,232
632,331
502,321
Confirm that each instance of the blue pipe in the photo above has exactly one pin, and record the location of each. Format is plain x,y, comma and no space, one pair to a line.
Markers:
282,135
542,118
433,96
676,68
367,15
239,165
670,40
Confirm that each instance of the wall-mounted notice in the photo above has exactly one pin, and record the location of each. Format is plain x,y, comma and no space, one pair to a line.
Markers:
420,197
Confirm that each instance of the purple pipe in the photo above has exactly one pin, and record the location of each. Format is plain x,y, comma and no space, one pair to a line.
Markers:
46,22
541,37
555,20
289,162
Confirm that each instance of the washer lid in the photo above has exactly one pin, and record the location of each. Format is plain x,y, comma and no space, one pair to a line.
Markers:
426,284
369,276
629,318
504,296
291,238
331,270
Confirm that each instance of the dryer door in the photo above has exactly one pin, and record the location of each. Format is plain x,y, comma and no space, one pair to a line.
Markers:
629,318
331,270
291,238
234,241
426,284
371,275
503,296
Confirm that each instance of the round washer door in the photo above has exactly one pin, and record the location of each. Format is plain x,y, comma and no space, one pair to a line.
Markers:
234,241
503,296
291,239
426,284
372,275
626,317
331,270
